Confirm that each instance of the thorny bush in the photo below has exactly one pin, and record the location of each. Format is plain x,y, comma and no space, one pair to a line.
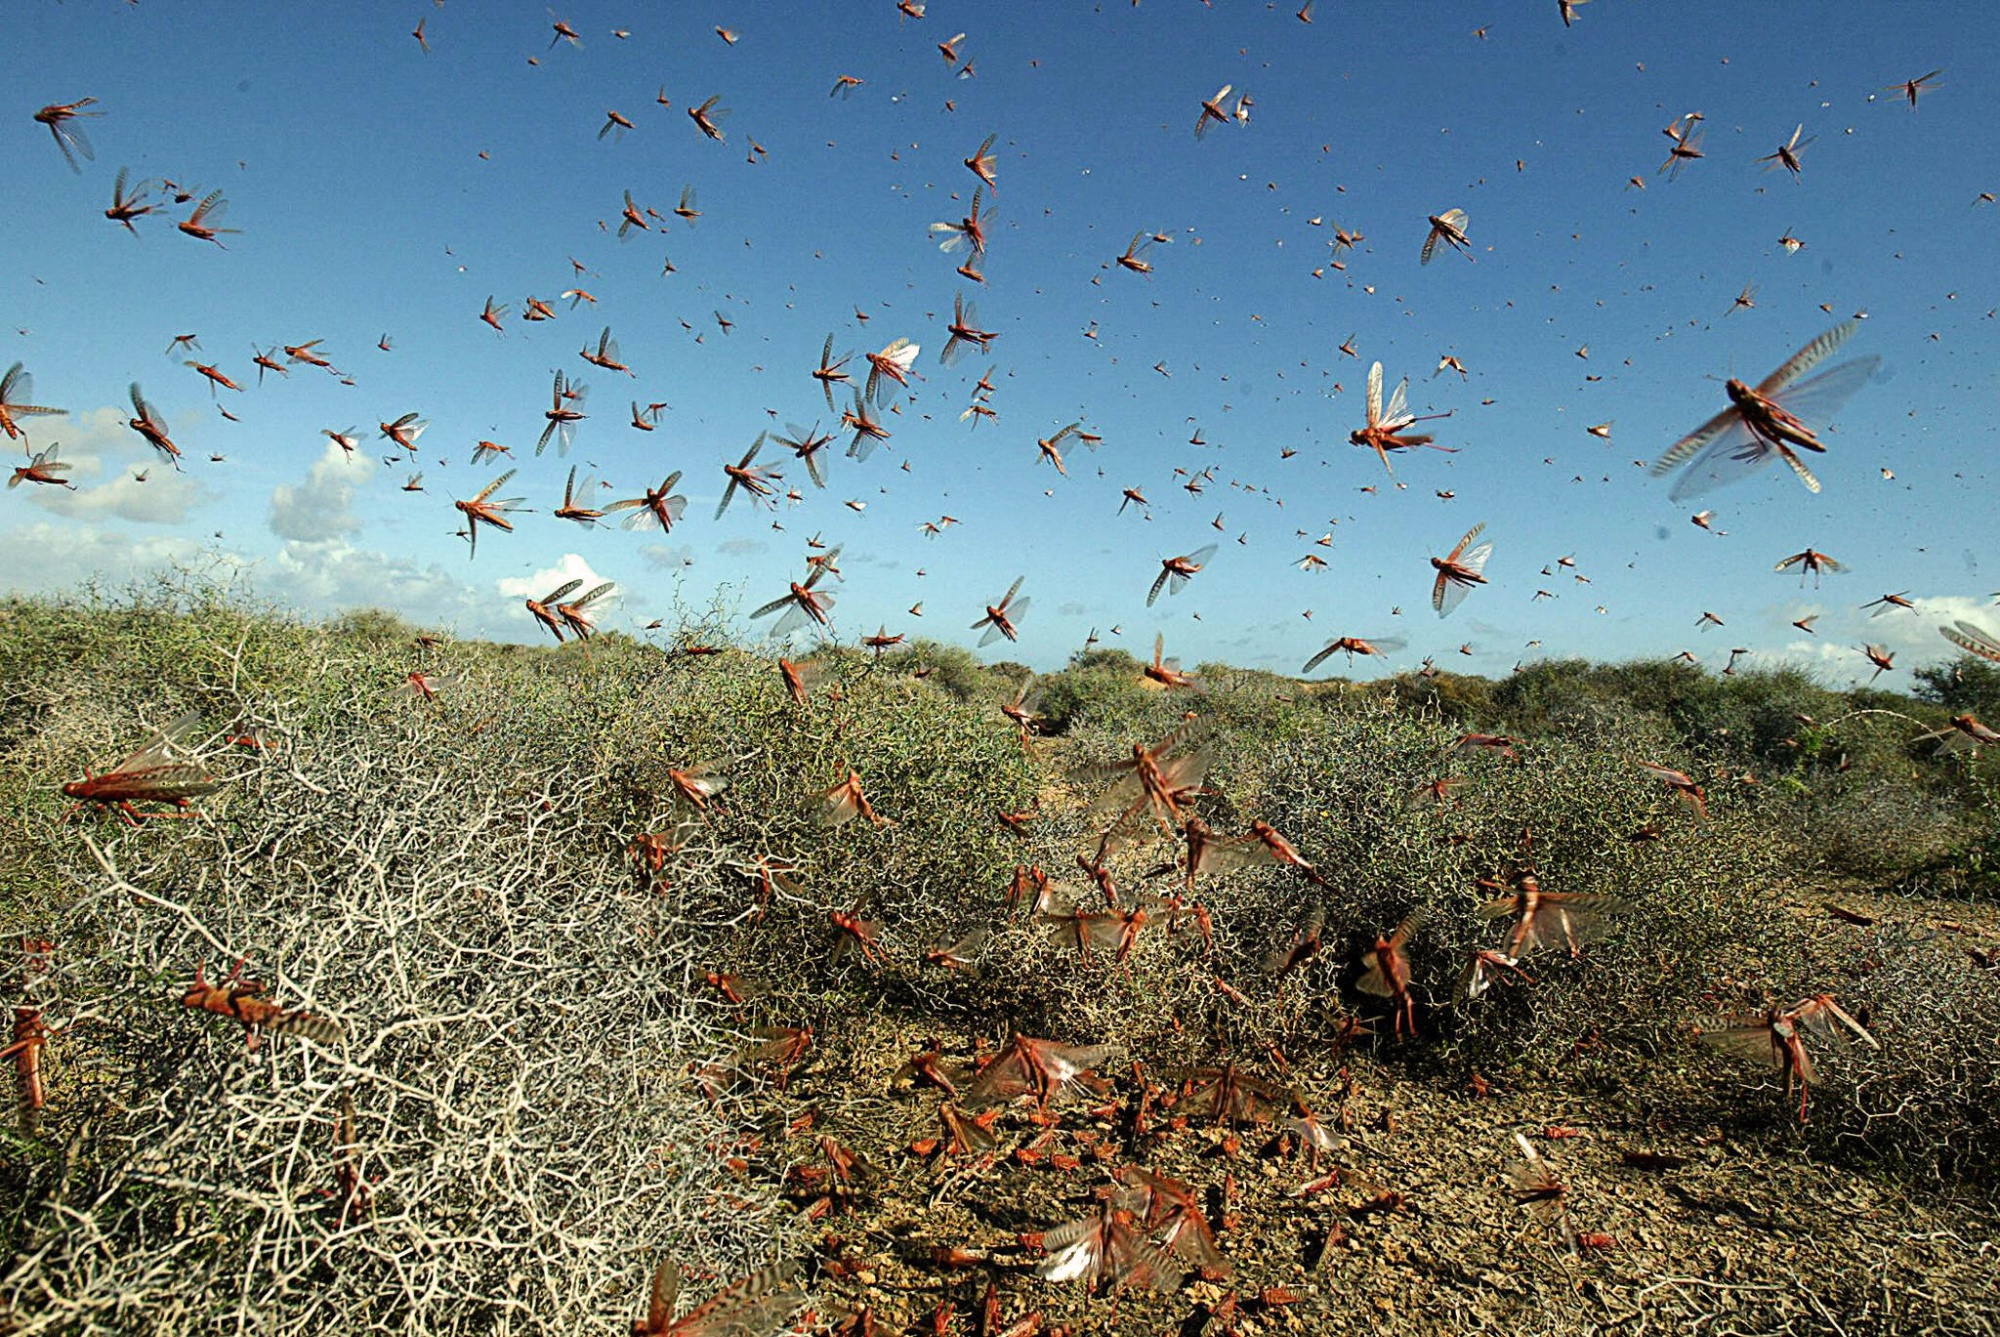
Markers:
452,883
501,902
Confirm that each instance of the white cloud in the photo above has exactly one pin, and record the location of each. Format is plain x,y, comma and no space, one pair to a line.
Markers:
48,558
87,437
1911,637
1942,611
537,586
97,444
323,506
147,496
319,578
332,575
663,557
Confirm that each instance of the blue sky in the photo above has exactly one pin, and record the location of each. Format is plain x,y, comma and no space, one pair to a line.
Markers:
352,160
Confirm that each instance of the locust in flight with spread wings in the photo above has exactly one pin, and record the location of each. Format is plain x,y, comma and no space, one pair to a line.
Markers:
802,601
756,1306
1448,228
1001,617
1776,1036
1770,421
1459,571
16,386
1384,431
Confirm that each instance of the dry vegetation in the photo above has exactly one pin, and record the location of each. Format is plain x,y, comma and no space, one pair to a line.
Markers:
520,1092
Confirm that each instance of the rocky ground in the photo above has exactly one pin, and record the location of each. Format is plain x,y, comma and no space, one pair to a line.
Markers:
1691,1213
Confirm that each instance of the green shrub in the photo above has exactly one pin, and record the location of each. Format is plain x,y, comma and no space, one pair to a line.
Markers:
1967,684
502,902
452,883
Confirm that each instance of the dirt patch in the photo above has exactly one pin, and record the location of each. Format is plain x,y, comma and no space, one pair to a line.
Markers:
1414,1228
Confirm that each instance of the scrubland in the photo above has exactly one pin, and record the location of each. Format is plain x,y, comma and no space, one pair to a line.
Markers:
533,1088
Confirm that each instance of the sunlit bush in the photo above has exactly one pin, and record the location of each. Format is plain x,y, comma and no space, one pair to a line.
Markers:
510,905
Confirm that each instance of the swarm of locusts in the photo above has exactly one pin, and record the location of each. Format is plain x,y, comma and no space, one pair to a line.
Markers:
1161,831
1146,1229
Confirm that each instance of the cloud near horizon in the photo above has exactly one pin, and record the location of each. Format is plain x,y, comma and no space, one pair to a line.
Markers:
322,507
